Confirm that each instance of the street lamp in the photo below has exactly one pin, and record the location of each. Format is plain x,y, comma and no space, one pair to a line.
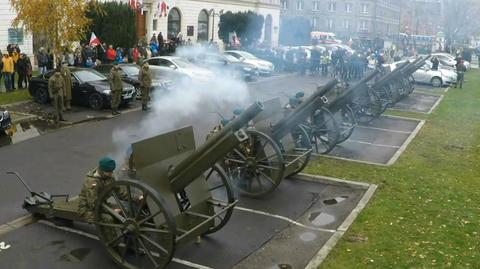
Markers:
212,13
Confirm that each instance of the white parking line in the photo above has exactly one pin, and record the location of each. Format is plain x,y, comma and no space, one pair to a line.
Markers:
382,129
372,144
283,218
95,237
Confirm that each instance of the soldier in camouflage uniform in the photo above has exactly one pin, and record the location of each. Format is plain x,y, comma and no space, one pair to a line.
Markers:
67,77
116,86
145,77
56,90
95,183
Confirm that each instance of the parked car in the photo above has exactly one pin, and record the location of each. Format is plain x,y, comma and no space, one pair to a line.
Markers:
5,120
90,88
176,68
232,64
264,67
436,78
448,60
129,73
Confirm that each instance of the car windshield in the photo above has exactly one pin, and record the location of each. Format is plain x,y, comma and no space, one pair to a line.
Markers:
88,75
246,55
182,63
231,59
131,70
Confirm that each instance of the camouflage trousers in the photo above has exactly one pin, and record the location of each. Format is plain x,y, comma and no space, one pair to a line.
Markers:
58,105
145,95
116,99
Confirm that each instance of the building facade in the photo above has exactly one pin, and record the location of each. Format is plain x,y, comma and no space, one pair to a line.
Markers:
367,19
422,17
11,35
198,20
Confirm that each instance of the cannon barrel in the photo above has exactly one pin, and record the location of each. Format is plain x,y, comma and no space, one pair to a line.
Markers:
345,96
302,112
212,151
419,62
383,81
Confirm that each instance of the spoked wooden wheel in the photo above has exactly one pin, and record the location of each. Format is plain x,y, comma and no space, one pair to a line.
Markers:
347,123
368,107
256,167
302,145
411,83
397,91
324,131
222,194
135,226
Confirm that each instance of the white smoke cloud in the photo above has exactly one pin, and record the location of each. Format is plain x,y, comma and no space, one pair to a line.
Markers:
193,102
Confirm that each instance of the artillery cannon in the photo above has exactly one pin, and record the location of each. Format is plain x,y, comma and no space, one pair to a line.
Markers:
404,85
278,145
171,202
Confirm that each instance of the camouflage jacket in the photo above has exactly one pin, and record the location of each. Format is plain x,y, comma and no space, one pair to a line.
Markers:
115,81
91,190
56,85
145,77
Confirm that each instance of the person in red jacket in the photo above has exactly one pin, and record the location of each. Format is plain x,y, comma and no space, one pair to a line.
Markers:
111,54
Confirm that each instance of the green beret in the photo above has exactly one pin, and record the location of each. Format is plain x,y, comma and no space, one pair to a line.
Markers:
107,164
238,111
300,94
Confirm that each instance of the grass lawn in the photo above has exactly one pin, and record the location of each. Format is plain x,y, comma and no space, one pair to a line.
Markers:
426,211
16,96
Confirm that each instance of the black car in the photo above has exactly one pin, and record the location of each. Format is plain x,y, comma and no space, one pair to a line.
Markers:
129,73
5,120
90,88
238,68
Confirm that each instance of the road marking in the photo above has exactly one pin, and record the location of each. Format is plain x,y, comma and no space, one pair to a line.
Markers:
406,143
372,144
17,223
4,246
382,129
283,218
435,105
95,237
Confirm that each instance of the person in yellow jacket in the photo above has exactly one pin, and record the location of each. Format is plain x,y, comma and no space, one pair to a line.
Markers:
7,71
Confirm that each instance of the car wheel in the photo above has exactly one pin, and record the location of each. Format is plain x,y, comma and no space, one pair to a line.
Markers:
436,82
95,101
41,95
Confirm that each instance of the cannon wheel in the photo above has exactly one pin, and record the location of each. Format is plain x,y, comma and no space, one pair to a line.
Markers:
303,141
137,233
411,85
346,117
221,189
256,167
369,107
324,131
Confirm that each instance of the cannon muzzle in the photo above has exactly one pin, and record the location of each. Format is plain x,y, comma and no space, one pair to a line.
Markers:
213,150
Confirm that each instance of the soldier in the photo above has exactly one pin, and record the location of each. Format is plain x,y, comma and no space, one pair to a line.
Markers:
56,90
67,77
145,77
116,85
95,183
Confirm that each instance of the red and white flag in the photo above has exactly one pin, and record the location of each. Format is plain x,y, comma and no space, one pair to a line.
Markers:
94,41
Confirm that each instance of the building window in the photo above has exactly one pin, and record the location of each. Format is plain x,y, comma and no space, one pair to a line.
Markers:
316,6
364,9
15,36
174,23
284,4
300,5
346,24
155,25
363,26
202,27
314,23
330,24
348,7
332,7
